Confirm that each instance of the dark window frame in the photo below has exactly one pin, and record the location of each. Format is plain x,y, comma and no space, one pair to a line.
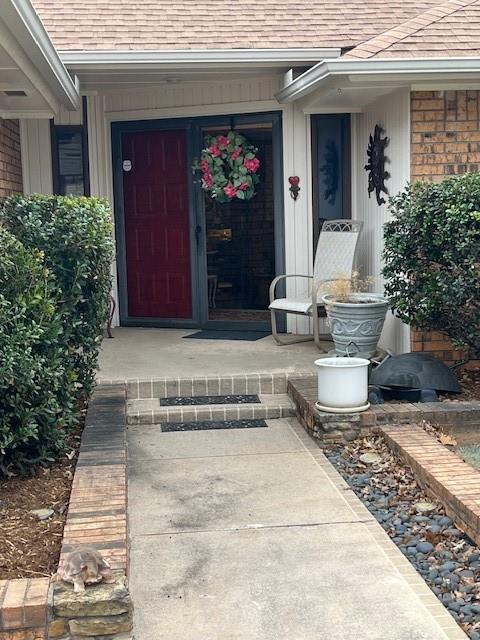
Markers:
316,122
55,131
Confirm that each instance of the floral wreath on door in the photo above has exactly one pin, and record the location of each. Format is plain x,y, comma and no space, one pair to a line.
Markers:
229,167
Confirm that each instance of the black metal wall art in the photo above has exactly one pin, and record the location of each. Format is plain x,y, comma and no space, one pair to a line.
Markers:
376,164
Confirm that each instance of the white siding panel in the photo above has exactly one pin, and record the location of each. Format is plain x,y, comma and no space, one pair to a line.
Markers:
217,92
392,112
298,214
36,156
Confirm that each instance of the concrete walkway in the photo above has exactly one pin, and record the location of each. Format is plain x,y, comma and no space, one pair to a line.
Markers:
250,534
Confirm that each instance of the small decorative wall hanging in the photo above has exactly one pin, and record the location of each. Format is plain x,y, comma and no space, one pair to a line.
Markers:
330,171
294,186
376,164
229,167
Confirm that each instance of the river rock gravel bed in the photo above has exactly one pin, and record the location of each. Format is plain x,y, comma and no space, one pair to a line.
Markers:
444,556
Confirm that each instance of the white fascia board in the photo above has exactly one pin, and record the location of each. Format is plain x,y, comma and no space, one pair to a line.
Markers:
388,69
25,26
192,58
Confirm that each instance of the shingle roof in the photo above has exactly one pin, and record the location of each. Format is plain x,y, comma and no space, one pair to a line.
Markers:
451,29
220,24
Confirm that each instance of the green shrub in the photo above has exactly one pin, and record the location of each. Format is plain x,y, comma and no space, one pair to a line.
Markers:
31,359
55,258
432,258
75,235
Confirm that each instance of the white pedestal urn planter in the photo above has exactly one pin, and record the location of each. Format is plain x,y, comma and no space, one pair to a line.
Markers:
356,325
342,384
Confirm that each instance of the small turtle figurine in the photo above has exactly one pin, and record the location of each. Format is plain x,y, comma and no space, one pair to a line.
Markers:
84,566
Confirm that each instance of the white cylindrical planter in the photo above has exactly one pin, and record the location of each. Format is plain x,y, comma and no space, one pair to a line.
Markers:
342,384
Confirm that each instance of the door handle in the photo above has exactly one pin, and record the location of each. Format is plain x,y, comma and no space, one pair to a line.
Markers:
198,231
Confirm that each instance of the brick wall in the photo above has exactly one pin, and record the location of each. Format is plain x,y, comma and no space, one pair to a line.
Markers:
437,344
10,160
445,141
445,133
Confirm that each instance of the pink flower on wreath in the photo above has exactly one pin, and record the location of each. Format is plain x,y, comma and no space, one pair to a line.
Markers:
204,166
207,181
251,165
244,186
230,190
235,153
223,141
214,150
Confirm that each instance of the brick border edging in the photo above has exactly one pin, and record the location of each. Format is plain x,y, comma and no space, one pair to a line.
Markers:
441,473
27,605
335,428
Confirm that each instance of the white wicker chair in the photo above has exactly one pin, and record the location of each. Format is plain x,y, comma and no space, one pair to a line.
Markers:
334,259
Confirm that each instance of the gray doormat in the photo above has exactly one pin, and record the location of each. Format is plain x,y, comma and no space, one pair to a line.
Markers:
182,401
249,336
205,425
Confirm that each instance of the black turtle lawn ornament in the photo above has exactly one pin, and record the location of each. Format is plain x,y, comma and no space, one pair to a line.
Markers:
415,377
376,164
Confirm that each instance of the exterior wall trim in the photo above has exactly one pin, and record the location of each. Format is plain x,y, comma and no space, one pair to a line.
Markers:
193,57
403,70
30,45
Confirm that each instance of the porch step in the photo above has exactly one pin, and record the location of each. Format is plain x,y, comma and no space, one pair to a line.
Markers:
251,383
149,410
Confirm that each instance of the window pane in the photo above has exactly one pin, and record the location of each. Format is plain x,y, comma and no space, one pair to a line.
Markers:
70,163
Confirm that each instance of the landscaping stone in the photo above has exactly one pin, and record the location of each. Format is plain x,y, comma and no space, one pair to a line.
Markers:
106,625
97,600
56,628
42,514
425,507
370,458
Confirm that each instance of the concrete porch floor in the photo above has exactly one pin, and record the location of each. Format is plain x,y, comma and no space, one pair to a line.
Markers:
139,353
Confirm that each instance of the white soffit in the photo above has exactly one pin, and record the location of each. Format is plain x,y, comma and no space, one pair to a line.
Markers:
33,80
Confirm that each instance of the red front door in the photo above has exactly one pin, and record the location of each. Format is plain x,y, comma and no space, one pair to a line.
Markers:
157,240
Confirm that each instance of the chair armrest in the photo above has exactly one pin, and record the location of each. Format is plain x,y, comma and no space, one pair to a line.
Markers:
276,280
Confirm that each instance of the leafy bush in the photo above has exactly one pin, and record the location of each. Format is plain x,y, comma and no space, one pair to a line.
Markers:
31,358
432,258
55,257
75,235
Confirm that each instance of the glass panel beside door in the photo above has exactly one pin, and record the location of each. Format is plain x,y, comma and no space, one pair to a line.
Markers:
240,240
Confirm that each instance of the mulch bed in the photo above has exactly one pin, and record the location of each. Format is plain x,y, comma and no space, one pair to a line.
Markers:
470,383
29,547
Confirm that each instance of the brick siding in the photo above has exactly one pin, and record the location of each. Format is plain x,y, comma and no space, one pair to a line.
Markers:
445,141
445,134
10,158
437,344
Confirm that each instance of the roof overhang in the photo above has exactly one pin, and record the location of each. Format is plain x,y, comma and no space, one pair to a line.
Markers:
104,68
349,84
31,70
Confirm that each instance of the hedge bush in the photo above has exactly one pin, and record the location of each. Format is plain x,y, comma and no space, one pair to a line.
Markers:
31,358
432,258
75,235
55,280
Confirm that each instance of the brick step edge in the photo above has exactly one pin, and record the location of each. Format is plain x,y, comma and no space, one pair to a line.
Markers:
211,412
441,473
238,384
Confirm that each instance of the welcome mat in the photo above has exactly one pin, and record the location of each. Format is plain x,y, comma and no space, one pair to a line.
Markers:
249,336
183,401
206,425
